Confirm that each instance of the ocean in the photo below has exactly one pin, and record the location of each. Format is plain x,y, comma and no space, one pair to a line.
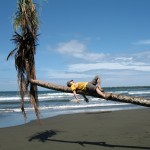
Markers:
53,103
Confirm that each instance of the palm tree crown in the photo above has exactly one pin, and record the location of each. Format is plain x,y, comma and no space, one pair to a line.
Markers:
26,26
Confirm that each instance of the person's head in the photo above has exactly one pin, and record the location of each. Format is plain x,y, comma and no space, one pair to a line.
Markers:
69,83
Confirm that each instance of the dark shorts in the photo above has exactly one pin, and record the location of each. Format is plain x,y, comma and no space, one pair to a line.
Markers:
91,86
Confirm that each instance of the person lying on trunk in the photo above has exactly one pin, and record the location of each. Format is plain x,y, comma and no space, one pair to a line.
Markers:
90,87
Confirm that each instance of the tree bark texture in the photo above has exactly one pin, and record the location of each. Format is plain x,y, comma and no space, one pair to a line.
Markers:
109,96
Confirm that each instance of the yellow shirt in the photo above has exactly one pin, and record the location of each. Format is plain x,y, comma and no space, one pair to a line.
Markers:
79,86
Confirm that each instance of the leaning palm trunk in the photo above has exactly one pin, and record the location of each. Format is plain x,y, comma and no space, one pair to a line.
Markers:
26,22
109,96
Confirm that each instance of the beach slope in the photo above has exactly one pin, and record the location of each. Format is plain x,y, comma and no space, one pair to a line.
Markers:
119,130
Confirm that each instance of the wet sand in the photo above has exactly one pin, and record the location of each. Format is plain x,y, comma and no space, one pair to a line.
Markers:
118,130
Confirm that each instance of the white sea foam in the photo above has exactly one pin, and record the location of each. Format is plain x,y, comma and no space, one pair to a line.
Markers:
47,96
56,96
56,103
11,98
78,106
62,101
10,110
139,92
120,92
66,107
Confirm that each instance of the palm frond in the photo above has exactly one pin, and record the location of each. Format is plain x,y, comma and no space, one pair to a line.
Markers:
11,53
26,22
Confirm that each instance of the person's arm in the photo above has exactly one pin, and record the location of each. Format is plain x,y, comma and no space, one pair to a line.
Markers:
85,98
75,95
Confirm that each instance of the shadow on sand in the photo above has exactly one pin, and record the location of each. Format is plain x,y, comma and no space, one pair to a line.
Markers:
46,136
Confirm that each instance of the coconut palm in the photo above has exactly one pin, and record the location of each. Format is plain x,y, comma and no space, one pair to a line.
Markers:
25,37
108,96
26,21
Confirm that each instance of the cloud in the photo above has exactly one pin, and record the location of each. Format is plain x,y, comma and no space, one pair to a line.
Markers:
137,62
124,59
71,47
107,66
67,75
143,56
79,50
115,69
142,42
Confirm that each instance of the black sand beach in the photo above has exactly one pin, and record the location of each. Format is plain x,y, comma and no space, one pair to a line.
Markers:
119,130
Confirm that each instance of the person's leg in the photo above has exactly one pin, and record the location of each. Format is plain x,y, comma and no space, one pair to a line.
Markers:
97,81
94,81
99,85
99,92
90,88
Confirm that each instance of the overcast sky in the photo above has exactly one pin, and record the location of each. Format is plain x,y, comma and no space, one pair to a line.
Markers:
82,38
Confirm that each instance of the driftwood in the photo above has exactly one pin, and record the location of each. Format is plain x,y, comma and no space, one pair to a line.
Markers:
109,96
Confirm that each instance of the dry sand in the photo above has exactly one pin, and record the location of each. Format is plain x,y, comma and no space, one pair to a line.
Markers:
118,130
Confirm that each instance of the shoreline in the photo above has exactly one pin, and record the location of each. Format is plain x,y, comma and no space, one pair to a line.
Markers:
53,103
21,120
123,129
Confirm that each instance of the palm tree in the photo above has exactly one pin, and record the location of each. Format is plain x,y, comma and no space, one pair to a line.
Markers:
26,23
109,96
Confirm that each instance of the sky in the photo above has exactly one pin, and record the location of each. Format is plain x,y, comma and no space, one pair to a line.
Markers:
83,38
